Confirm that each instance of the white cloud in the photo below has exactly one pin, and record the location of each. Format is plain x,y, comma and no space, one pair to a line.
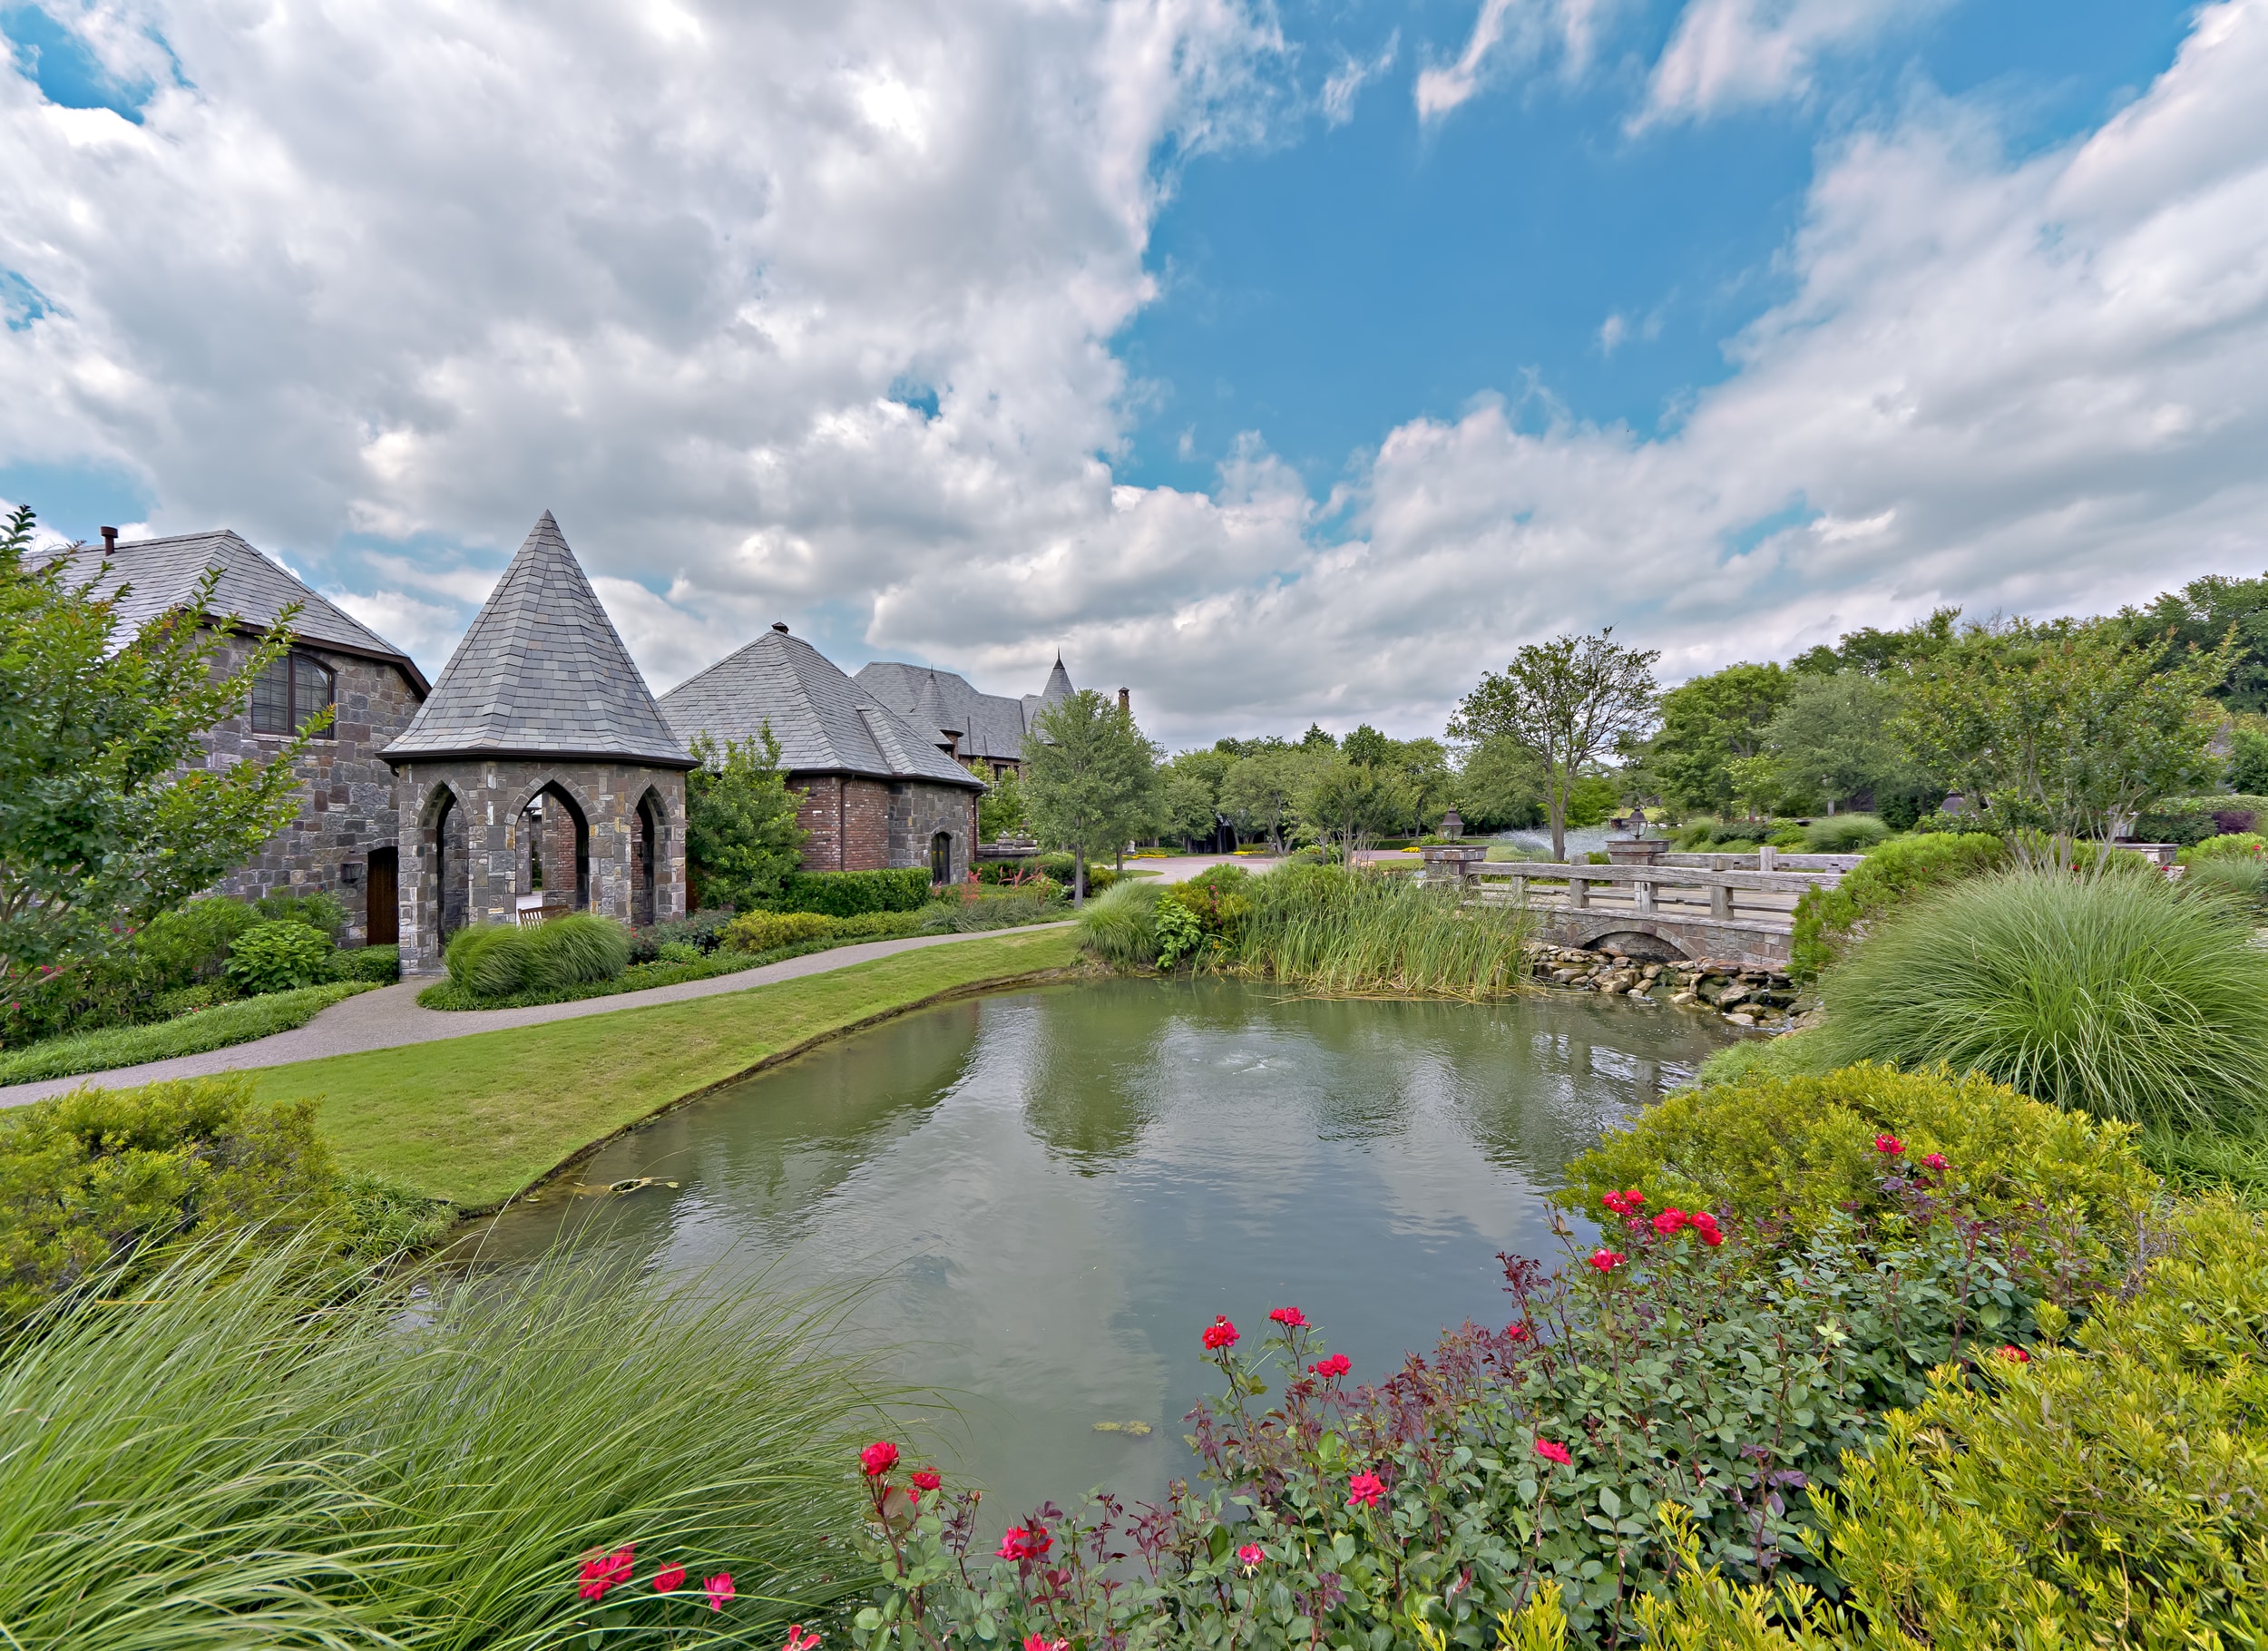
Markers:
1340,91
1728,54
425,272
1507,35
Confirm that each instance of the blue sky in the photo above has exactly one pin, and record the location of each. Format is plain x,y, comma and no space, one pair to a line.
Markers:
1325,288
1282,362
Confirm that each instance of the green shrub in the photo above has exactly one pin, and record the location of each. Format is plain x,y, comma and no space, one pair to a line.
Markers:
1845,833
2110,1492
1008,911
488,960
191,944
424,1462
2118,995
769,931
847,893
573,951
237,1020
2189,820
881,925
1805,1145
2229,845
89,1177
678,951
1827,920
191,999
279,957
703,930
319,911
381,965
2241,879
1121,926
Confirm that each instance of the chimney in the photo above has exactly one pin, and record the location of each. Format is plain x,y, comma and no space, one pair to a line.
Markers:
1126,703
110,539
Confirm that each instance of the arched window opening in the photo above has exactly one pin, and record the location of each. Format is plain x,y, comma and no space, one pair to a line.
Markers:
553,872
289,693
645,847
941,857
452,867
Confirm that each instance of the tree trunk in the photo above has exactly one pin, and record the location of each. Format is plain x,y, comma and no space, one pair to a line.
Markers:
1558,794
1079,874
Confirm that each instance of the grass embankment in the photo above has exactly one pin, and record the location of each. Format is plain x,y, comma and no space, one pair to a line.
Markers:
476,1120
193,1034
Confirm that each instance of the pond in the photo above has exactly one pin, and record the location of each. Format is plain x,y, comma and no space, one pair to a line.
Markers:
1057,1189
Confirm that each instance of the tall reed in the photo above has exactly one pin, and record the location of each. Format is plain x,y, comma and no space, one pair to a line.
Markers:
2116,993
1335,930
219,1461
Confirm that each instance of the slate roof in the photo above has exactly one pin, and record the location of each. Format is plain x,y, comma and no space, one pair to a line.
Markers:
542,673
990,724
825,722
163,575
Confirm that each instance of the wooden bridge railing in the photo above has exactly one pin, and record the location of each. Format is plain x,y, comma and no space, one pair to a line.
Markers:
1660,889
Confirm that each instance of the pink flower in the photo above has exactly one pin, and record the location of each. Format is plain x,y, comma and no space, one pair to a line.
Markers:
1219,1333
1025,1545
1249,1555
1517,1331
603,1571
927,1479
1705,1224
719,1588
1291,1318
1667,1223
1889,1146
1550,1452
797,1640
1338,1364
878,1457
1606,1261
1033,1642
1624,1203
1936,1161
1365,1490
1711,1236
669,1578
2015,1354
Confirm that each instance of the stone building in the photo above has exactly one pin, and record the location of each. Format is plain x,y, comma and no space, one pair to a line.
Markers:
539,772
343,838
983,729
877,791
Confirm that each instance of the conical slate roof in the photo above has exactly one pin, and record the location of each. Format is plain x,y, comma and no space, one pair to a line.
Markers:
825,722
542,673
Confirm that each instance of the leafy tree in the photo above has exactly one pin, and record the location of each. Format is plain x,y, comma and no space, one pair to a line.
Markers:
1191,786
2201,615
2064,729
1710,723
1001,811
1315,739
1090,776
1502,785
1568,702
1832,738
1367,746
1259,790
2248,761
1346,804
108,815
741,839
1592,799
1882,653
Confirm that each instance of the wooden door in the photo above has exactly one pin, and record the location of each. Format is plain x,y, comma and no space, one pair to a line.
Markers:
382,921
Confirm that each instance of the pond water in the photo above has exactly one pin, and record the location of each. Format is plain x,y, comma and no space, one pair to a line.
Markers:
1056,1190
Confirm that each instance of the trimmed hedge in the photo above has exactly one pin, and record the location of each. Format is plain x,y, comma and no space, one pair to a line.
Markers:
1827,920
849,893
2188,820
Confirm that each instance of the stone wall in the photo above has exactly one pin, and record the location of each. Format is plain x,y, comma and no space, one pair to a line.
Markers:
486,800
1743,994
346,793
919,812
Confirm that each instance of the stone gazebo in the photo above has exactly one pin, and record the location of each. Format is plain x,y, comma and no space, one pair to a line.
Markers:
539,775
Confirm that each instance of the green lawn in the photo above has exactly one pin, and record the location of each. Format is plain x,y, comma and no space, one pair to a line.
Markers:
476,1120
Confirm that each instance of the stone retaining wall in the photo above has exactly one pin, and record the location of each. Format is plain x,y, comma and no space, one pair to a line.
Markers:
1742,995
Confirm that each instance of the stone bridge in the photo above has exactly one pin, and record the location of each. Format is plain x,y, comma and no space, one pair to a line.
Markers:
1687,907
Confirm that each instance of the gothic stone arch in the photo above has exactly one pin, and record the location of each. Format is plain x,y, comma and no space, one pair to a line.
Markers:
490,795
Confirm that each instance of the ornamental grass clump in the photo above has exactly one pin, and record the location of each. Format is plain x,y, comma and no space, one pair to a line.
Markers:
241,1454
2113,994
1334,930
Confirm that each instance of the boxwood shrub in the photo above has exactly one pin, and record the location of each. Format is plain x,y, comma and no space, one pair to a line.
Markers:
849,894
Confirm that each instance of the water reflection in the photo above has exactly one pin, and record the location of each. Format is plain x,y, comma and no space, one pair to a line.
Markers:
1054,1189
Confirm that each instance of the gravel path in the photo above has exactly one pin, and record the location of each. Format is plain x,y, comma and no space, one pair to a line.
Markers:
391,1017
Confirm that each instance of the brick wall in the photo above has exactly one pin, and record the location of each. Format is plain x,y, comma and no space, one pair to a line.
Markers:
346,794
860,825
